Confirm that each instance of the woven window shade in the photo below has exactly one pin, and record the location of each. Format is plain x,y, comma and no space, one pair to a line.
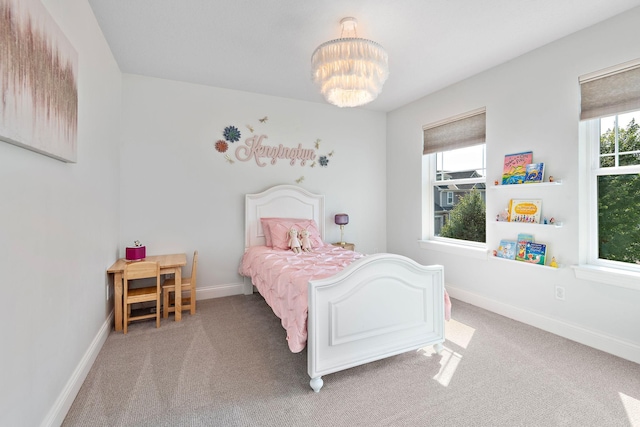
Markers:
458,132
612,91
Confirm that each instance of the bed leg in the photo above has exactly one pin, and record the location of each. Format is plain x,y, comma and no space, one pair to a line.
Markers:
438,348
316,384
248,286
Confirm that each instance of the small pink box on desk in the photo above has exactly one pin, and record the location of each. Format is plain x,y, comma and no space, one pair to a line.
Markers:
136,253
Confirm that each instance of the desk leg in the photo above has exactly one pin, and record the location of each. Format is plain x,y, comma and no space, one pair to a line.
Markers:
178,302
117,299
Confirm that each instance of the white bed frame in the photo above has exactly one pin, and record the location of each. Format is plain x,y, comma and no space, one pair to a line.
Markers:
379,306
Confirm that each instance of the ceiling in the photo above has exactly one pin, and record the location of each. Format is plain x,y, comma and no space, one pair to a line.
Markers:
265,46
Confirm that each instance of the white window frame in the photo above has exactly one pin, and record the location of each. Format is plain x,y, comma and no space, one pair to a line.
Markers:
430,241
590,266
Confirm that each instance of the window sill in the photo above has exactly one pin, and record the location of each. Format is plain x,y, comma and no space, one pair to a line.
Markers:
479,252
607,275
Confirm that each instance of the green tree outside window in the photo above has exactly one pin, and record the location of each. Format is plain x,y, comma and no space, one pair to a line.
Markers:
467,220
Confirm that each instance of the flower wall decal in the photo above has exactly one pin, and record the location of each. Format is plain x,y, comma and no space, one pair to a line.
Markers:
231,134
221,146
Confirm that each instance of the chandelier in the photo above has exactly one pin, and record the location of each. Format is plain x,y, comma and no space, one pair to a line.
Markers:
350,71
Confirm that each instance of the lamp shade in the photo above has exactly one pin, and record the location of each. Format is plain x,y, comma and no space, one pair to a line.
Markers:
342,219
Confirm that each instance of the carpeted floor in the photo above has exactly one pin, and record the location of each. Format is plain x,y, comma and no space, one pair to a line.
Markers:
229,365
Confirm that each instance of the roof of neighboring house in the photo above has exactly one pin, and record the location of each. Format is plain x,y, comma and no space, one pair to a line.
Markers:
437,208
462,175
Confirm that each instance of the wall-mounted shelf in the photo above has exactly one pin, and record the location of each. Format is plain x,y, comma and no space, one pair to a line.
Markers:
523,206
520,186
526,263
557,224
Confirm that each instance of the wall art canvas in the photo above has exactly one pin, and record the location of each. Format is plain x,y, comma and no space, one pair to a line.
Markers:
38,81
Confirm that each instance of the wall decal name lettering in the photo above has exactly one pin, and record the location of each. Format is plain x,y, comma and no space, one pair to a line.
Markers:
254,148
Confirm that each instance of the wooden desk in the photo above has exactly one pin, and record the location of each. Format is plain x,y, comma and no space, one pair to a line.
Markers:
169,264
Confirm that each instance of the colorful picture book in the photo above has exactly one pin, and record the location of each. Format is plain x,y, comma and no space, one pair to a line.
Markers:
514,169
534,173
536,253
521,245
525,210
507,249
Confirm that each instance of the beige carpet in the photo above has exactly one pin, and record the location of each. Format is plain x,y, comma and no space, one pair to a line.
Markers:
229,365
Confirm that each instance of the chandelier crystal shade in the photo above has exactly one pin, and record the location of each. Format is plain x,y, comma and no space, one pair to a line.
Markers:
350,71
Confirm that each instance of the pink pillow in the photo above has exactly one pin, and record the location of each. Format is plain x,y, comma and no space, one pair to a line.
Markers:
279,230
268,221
266,230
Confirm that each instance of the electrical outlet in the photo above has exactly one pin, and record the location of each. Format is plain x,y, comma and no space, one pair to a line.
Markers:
560,294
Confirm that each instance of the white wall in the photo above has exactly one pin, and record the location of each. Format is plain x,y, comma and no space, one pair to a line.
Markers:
532,103
59,232
192,198
62,225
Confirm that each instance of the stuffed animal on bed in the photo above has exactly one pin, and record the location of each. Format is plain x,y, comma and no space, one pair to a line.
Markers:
306,243
294,243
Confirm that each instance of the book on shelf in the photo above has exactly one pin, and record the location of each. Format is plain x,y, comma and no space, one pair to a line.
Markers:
514,168
534,173
521,245
536,253
507,249
525,210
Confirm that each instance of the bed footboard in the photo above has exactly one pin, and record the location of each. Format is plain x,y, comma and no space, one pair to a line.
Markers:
379,306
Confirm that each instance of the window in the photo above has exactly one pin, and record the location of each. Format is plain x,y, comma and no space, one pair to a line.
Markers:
454,161
611,107
449,198
615,181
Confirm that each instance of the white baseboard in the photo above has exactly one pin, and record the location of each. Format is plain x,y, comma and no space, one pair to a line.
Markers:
598,340
219,291
59,410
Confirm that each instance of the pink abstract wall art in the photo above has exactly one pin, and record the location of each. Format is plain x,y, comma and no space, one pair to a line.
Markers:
38,81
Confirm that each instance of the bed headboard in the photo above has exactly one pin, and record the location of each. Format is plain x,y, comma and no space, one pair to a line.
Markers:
284,201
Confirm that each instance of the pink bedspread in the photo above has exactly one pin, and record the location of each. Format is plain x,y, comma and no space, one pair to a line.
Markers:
282,277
